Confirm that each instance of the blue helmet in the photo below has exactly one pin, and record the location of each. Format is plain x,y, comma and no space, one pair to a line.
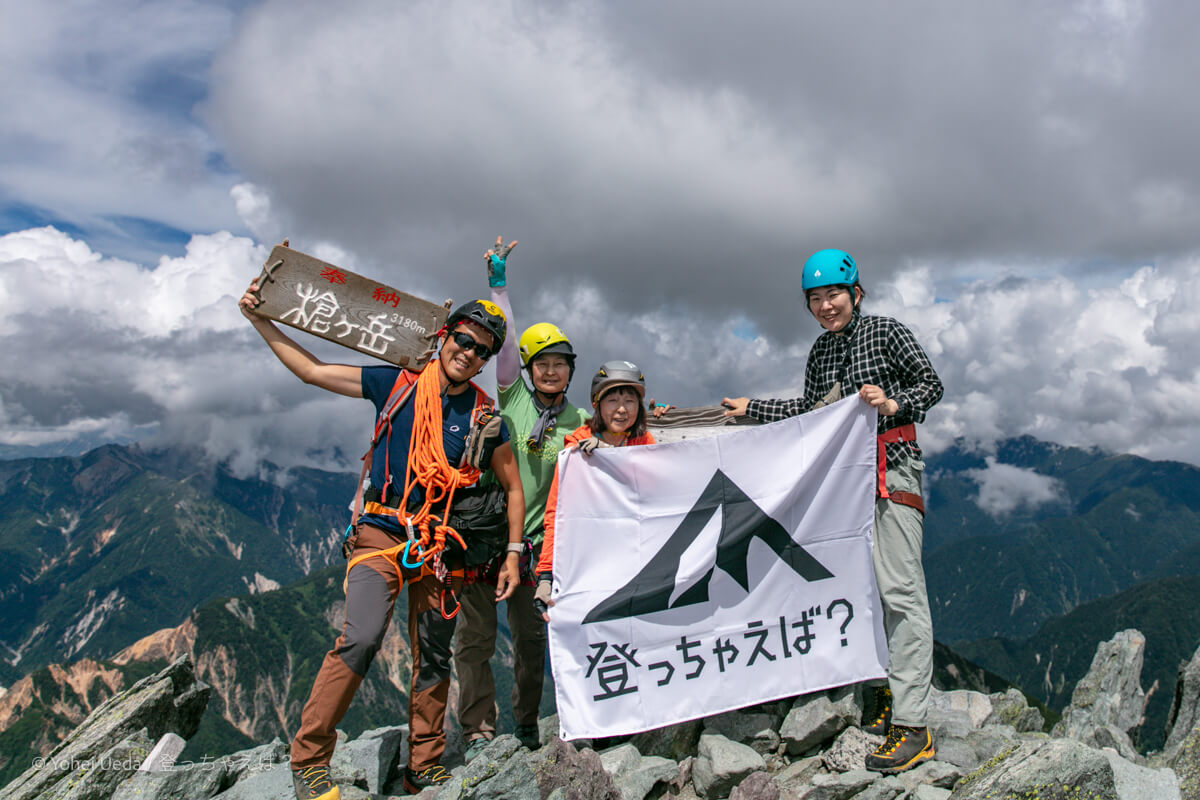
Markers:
829,268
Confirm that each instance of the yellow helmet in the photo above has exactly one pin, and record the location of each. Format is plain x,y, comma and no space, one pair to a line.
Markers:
544,338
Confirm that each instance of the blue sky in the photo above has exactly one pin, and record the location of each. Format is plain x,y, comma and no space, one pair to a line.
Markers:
1017,182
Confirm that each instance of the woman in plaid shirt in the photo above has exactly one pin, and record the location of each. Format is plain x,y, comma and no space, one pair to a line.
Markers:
882,359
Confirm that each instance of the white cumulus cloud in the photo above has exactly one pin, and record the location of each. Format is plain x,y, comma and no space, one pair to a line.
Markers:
1004,488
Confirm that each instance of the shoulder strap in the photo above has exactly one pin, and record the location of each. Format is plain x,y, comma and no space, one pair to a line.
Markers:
401,392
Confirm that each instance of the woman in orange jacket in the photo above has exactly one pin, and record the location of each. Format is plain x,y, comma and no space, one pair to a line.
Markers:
618,395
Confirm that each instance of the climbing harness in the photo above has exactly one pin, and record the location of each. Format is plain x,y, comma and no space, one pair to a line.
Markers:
427,532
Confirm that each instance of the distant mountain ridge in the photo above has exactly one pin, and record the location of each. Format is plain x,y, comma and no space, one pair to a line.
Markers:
107,548
1121,520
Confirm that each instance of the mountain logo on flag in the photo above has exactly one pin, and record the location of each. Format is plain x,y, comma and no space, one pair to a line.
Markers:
741,521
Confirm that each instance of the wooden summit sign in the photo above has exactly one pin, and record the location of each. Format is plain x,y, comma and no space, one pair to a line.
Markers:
356,312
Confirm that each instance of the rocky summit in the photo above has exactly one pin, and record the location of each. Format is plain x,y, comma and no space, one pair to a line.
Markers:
989,746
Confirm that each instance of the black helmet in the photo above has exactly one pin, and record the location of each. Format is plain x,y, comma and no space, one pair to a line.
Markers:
486,315
617,373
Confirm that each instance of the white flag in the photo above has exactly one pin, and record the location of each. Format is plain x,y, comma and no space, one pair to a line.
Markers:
710,574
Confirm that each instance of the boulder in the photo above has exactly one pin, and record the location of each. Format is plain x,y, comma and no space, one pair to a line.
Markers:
849,751
934,773
676,742
756,786
756,729
1185,708
886,788
722,764
1110,694
1011,708
927,792
170,700
800,773
970,709
100,778
485,766
580,773
371,758
204,779
1064,768
839,786
1186,763
642,781
270,784
816,718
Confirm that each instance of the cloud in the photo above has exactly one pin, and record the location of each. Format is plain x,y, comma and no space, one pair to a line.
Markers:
100,130
620,152
1116,367
1004,488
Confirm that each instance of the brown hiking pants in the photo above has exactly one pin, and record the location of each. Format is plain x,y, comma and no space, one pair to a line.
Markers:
371,588
474,645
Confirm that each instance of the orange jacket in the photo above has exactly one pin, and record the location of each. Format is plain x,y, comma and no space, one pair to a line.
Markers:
546,561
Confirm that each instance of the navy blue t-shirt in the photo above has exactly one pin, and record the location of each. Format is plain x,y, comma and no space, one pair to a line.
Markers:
377,383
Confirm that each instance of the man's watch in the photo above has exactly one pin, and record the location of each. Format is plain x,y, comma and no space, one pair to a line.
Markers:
515,547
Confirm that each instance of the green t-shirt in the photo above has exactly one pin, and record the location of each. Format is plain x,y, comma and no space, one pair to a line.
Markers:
535,465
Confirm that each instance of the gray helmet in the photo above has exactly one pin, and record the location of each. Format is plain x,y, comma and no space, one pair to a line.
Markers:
617,373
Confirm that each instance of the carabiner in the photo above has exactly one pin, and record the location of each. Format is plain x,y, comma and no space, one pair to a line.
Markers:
442,604
404,556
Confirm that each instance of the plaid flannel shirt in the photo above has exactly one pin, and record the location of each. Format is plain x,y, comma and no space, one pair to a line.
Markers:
883,352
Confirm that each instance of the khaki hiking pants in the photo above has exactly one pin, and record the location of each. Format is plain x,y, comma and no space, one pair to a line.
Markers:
474,644
371,588
899,532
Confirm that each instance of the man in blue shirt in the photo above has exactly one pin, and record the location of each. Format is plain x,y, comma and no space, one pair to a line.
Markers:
403,500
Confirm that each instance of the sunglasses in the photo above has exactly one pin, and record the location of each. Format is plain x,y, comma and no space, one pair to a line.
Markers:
466,342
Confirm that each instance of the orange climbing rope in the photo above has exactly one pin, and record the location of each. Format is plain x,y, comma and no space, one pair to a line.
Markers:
428,467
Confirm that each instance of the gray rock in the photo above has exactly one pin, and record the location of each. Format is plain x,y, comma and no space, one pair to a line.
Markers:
722,764
170,700
270,784
1186,763
579,772
971,707
371,758
676,742
257,759
181,782
99,778
190,780
1062,767
888,787
800,773
514,781
987,742
935,773
839,786
1107,736
1133,781
163,754
634,775
956,750
622,758
849,751
548,729
757,786
926,792
754,729
483,767
1185,708
1011,708
817,718
1111,692
640,780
